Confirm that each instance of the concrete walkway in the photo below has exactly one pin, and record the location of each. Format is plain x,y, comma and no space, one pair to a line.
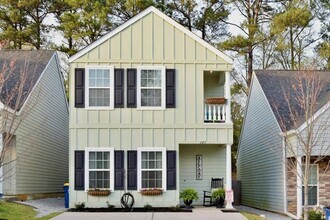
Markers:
268,215
199,213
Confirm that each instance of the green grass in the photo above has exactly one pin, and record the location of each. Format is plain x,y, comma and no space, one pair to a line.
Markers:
14,211
251,216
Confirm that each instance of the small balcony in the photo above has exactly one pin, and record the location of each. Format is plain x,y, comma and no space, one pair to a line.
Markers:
216,97
215,110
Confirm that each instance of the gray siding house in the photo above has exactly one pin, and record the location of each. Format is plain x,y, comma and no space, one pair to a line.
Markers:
264,151
34,124
142,114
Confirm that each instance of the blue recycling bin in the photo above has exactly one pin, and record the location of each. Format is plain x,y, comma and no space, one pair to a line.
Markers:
327,213
66,195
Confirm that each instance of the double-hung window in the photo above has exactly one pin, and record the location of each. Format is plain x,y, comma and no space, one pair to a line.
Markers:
312,186
151,87
152,172
99,172
99,91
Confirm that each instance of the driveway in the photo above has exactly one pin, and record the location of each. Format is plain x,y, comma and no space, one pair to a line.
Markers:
199,213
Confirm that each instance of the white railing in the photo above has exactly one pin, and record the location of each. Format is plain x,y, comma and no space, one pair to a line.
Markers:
214,113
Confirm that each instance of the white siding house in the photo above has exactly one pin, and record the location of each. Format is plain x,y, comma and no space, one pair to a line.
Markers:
36,157
137,99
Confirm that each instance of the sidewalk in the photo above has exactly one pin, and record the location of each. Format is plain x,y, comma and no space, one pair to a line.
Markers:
199,213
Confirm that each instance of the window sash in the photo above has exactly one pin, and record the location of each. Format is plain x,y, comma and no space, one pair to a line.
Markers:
151,102
144,180
99,87
102,155
312,186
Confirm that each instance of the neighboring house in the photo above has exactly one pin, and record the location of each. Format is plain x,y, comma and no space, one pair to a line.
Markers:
266,181
35,157
138,117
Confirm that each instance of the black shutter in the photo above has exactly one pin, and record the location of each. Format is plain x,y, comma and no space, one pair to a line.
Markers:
119,170
170,88
119,88
79,170
79,88
132,170
171,169
131,88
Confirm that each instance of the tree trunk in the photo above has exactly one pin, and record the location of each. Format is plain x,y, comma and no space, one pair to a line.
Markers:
250,66
292,48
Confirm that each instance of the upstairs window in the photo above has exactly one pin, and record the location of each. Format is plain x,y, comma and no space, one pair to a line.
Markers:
151,87
99,92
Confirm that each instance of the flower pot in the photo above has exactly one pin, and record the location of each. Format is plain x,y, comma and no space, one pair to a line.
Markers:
216,100
151,192
220,203
98,192
188,203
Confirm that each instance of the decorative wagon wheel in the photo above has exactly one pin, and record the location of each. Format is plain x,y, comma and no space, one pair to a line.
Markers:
127,200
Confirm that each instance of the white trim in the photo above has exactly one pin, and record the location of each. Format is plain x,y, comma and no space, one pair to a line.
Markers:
138,88
311,119
111,87
138,17
62,80
285,199
299,187
112,164
139,178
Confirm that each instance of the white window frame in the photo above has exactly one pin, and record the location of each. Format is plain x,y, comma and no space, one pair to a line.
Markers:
317,186
111,87
163,87
139,161
112,175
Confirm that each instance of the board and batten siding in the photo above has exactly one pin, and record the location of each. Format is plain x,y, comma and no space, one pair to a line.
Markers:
42,138
260,155
150,41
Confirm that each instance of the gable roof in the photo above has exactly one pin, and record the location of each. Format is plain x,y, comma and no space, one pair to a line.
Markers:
277,83
144,13
21,66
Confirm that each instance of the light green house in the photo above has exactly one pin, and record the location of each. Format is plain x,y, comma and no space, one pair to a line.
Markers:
139,116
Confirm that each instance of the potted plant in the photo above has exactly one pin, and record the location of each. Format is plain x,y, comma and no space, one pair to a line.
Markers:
219,195
188,195
98,192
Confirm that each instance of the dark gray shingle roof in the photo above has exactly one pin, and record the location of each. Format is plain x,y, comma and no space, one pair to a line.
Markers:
277,83
20,66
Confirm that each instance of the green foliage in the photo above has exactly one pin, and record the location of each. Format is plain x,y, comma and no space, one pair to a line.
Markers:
110,206
14,211
148,207
176,208
126,9
314,215
80,206
218,193
206,17
189,194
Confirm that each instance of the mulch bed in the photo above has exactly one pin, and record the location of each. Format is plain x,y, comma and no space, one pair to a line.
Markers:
155,209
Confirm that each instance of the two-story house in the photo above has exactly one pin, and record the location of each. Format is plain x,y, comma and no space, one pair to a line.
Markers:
139,118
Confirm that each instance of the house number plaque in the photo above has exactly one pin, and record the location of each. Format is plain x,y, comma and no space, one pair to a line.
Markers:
199,167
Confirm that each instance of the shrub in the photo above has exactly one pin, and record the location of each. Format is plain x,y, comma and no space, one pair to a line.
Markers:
80,206
110,206
314,215
189,194
148,207
218,193
176,208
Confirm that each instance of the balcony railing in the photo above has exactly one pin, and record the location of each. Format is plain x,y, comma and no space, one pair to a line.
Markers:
215,110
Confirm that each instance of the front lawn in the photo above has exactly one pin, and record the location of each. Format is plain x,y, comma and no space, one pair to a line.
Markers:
251,216
14,211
